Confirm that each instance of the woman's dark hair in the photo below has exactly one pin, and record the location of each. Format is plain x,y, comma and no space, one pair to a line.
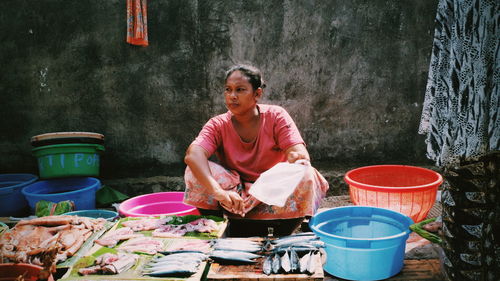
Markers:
251,72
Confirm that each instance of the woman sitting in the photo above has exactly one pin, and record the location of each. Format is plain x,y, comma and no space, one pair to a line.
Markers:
248,140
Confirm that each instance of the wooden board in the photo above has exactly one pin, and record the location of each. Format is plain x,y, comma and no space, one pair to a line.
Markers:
254,272
413,270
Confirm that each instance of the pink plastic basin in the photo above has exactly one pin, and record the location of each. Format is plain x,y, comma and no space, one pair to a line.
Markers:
157,204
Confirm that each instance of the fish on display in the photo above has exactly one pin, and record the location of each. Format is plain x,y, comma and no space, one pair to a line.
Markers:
236,241
267,266
281,242
235,247
295,235
110,264
276,265
233,256
304,262
174,265
172,271
179,252
181,257
310,233
285,262
160,266
298,249
316,243
294,261
197,245
311,265
232,244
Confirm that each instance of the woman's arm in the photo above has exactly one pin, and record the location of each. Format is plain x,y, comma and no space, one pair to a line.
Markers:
197,160
297,152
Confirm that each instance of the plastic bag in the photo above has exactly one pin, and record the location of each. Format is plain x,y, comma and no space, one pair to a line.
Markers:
275,185
46,208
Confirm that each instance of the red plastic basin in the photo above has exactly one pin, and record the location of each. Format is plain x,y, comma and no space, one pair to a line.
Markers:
11,271
157,204
406,189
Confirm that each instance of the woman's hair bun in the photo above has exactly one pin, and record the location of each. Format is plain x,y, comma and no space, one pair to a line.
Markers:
253,73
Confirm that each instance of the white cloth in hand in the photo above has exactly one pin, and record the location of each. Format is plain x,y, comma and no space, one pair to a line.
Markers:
275,185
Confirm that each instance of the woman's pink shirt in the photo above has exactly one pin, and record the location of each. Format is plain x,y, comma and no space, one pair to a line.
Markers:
277,133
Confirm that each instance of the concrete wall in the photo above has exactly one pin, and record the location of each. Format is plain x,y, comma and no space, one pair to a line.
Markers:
351,73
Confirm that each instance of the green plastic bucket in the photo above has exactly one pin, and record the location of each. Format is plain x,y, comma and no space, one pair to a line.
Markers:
68,160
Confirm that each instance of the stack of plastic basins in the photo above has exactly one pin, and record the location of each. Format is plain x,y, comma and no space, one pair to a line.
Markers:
68,165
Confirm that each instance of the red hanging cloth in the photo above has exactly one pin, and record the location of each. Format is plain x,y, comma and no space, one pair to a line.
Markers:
137,22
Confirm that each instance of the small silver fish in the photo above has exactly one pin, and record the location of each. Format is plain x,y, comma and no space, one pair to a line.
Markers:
311,265
276,265
304,262
299,249
295,240
173,272
233,256
267,266
155,267
237,245
179,252
241,254
285,262
181,256
252,249
186,259
228,241
294,261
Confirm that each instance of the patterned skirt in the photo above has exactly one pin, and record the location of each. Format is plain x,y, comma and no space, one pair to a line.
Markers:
304,201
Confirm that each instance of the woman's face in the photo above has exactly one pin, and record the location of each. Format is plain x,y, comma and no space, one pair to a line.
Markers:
240,97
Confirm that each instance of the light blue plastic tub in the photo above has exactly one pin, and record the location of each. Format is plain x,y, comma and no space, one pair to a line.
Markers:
105,214
79,190
362,243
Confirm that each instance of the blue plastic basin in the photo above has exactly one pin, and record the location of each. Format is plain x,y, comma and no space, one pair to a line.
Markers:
105,214
79,190
362,243
12,201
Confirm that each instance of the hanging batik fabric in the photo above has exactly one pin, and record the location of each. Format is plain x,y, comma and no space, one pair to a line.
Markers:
462,102
137,26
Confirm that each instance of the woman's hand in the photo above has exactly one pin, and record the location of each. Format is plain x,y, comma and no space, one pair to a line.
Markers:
230,201
297,152
197,159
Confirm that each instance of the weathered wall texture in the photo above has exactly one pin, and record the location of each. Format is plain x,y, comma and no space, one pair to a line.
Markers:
351,73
